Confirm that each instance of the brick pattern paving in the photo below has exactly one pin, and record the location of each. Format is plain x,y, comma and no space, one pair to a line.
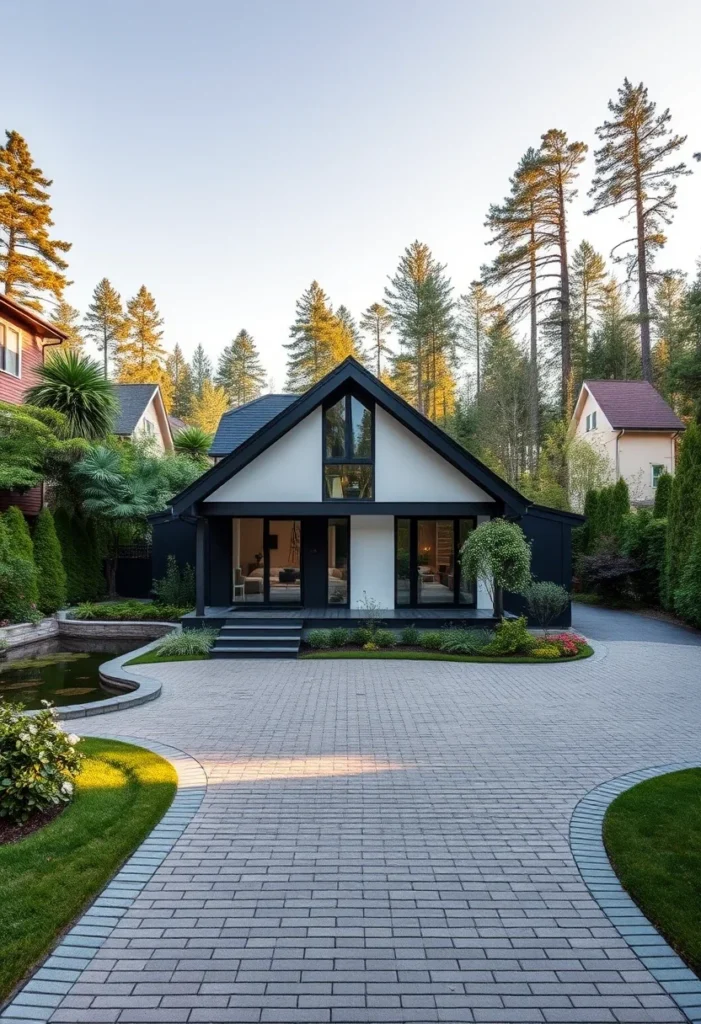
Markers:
388,841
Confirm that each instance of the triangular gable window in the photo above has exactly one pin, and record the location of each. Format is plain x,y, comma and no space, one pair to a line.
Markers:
349,448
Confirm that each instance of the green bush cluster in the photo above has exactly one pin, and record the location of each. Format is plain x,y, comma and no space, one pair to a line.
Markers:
605,510
189,641
511,636
38,762
410,636
431,640
82,548
19,589
465,641
128,611
177,586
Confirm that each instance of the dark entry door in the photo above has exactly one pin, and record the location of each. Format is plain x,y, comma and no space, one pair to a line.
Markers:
314,561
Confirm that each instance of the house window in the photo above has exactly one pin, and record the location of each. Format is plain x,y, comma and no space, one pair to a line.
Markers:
10,350
588,423
593,420
657,472
427,562
348,451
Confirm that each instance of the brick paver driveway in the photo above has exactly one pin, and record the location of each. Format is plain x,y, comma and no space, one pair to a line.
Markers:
389,841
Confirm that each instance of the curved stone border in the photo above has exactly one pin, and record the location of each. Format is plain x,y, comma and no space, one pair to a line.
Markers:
139,689
44,991
589,852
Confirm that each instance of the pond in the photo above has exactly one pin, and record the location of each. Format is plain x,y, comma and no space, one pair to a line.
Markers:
52,671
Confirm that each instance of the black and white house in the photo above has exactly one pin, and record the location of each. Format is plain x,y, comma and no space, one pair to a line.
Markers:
346,495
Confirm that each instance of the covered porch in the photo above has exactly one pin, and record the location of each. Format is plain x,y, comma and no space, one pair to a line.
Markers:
327,617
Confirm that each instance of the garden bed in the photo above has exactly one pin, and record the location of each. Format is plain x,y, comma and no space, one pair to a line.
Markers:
48,878
126,611
419,654
652,834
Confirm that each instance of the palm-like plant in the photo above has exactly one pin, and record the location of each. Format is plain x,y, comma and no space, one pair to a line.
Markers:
74,385
194,442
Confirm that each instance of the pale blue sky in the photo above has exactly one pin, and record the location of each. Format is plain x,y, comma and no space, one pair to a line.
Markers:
227,153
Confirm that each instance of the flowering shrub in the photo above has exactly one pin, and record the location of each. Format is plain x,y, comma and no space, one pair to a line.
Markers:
568,644
38,762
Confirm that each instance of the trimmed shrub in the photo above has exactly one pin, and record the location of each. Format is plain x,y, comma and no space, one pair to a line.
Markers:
620,506
682,512
512,637
662,495
38,762
466,641
189,641
51,576
82,554
643,539
385,638
319,639
687,596
339,636
18,530
363,635
18,582
431,640
410,636
545,601
177,586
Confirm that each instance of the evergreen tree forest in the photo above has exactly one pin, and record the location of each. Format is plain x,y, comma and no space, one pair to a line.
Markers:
496,359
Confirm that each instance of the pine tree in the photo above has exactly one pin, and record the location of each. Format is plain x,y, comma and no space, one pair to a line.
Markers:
31,262
51,575
477,310
588,279
673,335
313,350
633,170
682,511
348,341
200,369
376,322
419,299
140,356
240,371
105,322
66,318
209,407
614,352
503,404
181,385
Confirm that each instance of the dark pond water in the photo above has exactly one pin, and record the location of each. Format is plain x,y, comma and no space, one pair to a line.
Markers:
51,671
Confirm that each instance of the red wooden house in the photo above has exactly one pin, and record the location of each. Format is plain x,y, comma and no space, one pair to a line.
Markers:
24,338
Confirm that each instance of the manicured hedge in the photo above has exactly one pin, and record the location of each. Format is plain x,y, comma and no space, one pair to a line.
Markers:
51,576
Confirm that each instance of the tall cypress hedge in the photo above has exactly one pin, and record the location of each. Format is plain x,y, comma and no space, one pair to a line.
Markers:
19,545
687,596
682,512
51,575
662,493
18,579
81,547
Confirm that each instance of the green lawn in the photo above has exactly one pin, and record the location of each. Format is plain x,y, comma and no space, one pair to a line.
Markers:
652,834
154,658
396,655
48,878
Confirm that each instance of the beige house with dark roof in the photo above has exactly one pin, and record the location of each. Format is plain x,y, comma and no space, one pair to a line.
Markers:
633,428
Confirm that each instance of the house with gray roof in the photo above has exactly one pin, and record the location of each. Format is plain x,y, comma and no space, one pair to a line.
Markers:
633,428
142,414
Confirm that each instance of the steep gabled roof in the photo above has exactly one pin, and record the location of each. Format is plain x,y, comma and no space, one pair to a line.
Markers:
133,400
237,425
633,405
31,320
350,374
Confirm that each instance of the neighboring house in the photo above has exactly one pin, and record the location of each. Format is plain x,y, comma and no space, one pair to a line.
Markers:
632,426
24,338
347,495
176,424
142,414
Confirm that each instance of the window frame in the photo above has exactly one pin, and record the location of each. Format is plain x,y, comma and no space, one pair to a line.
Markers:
345,459
413,562
588,423
4,328
662,468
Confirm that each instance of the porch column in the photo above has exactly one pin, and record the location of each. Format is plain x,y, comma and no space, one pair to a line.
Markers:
201,532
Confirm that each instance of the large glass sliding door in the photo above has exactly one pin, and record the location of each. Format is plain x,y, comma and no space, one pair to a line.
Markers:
427,562
267,567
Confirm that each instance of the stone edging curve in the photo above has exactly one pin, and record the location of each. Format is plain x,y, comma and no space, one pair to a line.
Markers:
587,845
41,995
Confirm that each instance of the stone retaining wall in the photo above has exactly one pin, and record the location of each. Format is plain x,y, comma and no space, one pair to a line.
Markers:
26,633
80,629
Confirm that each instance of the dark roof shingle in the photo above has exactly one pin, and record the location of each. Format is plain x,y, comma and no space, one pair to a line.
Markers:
633,405
237,425
132,399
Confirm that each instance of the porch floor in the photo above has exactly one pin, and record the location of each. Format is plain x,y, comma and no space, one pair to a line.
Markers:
319,617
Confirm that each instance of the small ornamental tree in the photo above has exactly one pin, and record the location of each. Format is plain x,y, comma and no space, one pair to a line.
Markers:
662,493
545,601
497,553
51,575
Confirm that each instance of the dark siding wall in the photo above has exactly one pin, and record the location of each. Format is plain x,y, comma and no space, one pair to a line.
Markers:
551,558
220,555
173,537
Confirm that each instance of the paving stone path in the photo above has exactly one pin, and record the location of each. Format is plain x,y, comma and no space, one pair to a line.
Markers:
388,841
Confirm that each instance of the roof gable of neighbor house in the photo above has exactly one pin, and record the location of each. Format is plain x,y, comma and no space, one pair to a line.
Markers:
133,401
633,405
237,425
350,376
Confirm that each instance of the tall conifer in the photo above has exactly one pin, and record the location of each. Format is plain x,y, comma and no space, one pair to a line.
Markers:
31,262
105,322
140,355
181,383
200,369
67,318
240,371
376,322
